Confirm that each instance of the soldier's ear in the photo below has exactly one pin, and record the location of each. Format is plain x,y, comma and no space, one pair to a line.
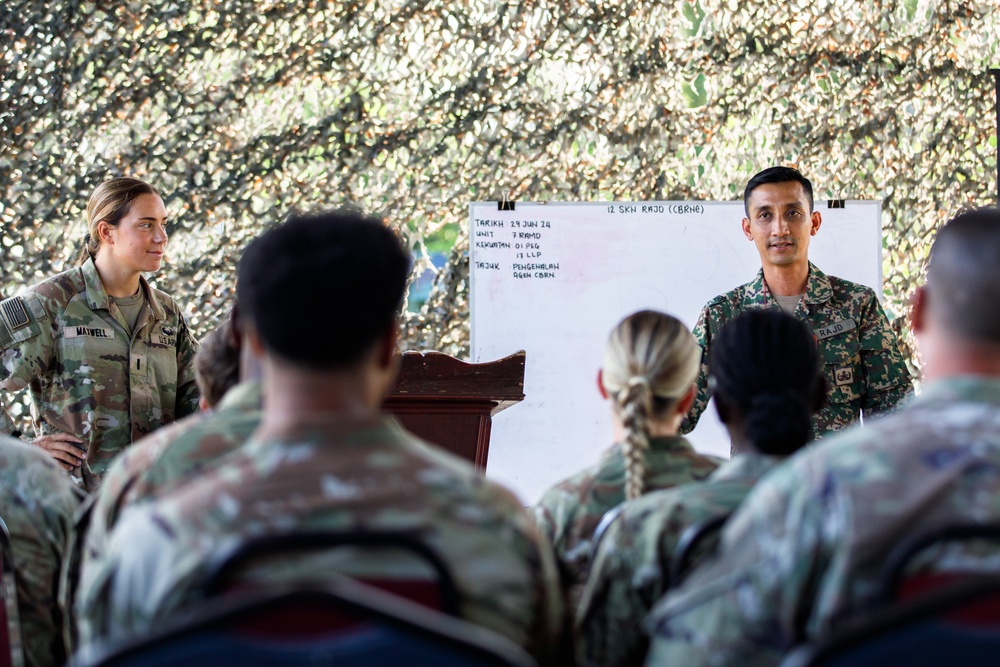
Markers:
600,384
816,219
687,400
747,229
104,233
918,309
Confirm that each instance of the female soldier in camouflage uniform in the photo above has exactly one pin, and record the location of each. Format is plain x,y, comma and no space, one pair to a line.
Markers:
649,370
106,357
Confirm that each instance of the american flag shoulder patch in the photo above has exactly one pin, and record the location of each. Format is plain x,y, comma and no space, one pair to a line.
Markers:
14,314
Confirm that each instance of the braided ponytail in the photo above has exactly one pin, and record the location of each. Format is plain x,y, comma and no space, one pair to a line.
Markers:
650,363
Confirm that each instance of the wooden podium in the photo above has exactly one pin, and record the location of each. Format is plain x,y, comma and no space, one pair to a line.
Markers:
451,403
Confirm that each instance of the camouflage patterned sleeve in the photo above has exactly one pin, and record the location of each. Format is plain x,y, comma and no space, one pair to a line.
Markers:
611,611
25,347
887,380
702,334
745,607
187,388
6,423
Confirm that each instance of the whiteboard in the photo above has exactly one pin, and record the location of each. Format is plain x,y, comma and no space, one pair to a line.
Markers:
553,279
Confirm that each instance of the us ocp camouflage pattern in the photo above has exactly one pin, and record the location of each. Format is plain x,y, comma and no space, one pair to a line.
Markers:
37,502
807,545
341,475
88,376
630,571
570,512
156,463
862,364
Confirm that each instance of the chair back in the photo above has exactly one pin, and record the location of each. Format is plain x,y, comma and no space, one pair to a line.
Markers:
607,519
11,648
695,539
901,580
934,629
439,593
343,623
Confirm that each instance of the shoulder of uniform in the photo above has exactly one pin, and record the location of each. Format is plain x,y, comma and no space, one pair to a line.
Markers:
848,287
60,288
733,298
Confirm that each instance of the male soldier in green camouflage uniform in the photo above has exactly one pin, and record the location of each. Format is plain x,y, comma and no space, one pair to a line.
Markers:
807,546
92,381
324,459
37,502
864,369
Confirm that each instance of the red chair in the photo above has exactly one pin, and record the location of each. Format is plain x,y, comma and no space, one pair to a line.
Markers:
903,577
438,592
11,650
940,627
342,623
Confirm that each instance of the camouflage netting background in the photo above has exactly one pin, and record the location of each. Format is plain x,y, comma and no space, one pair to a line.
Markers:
243,111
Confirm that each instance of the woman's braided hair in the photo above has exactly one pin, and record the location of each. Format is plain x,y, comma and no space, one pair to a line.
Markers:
650,362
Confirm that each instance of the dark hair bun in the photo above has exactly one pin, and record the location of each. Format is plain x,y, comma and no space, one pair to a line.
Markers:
777,422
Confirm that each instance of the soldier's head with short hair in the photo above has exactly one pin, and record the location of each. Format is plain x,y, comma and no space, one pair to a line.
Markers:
217,364
777,175
962,293
321,290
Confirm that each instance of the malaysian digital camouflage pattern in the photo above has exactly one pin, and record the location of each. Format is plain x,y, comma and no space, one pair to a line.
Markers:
807,545
631,564
862,364
87,375
156,463
339,475
37,502
570,511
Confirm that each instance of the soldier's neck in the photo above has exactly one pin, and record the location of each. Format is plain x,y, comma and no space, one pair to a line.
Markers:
787,280
294,398
118,282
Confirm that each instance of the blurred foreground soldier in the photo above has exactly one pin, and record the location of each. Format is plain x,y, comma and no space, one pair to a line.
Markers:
806,547
37,502
767,387
325,459
865,372
171,455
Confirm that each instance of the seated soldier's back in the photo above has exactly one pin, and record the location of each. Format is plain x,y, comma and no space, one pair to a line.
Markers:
339,475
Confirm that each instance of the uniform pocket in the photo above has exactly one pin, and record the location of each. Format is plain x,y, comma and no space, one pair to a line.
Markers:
842,367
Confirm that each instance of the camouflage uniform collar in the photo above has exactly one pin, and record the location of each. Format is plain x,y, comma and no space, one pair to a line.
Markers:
246,395
97,296
960,388
670,443
751,465
818,288
333,433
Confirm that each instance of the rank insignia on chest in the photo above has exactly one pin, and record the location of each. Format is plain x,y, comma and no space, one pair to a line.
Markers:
843,375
